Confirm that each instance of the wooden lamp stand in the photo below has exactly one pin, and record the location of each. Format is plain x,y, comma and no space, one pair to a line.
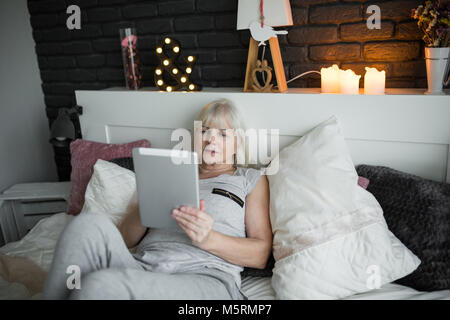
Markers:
277,63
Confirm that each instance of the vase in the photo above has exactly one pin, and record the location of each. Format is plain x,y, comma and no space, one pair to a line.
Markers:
437,68
130,58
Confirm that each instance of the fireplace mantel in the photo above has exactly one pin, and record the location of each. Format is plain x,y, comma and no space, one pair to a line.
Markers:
404,129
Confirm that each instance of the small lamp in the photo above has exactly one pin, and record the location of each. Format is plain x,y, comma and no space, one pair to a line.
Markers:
269,13
277,13
63,131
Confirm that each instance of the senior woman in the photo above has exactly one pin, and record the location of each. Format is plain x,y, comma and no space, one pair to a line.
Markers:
203,260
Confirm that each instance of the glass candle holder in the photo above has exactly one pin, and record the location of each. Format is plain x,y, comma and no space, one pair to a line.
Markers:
130,58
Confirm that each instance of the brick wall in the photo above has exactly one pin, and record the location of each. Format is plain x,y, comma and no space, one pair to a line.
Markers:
324,32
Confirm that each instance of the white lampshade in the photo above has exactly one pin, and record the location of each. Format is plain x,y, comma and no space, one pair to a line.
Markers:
277,13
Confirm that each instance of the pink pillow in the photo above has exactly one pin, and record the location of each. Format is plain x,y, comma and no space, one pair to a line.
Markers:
84,155
363,182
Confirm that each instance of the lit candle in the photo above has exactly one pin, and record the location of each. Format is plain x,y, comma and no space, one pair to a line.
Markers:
348,82
374,81
330,79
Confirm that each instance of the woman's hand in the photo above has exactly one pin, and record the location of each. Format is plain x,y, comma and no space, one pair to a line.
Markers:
195,222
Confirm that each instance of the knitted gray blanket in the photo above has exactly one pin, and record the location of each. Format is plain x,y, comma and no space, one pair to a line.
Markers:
417,212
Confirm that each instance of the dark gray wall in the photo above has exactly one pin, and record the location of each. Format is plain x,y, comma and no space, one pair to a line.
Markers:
25,154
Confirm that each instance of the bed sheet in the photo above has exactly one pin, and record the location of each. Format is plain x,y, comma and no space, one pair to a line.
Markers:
38,246
258,288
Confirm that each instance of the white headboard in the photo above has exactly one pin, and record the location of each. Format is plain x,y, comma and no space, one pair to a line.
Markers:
404,129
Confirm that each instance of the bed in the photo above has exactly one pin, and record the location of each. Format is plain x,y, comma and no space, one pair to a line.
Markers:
39,243
403,129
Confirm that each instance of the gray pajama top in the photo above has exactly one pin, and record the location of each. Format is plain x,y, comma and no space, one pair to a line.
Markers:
172,251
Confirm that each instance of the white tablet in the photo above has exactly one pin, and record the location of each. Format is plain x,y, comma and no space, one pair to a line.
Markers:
166,179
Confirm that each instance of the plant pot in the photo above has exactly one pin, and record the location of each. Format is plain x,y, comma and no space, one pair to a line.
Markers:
437,68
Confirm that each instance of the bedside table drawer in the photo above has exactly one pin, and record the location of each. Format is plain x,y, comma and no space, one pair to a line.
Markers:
30,221
33,211
38,207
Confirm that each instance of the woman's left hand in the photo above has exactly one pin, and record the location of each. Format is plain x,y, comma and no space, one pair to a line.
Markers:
195,222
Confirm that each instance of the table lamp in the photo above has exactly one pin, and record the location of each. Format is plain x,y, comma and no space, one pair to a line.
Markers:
268,14
62,131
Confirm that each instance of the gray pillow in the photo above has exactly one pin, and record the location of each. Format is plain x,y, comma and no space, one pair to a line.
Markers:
126,162
266,272
417,212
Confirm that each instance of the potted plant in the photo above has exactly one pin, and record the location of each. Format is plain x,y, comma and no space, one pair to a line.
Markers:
434,21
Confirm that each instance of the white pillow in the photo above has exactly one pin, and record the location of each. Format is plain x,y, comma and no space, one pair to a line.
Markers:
330,237
109,190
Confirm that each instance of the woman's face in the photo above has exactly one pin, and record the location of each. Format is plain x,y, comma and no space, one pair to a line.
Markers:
218,144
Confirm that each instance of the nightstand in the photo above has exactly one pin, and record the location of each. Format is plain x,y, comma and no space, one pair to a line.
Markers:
23,205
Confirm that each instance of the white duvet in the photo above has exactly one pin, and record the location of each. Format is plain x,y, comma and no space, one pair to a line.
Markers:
38,246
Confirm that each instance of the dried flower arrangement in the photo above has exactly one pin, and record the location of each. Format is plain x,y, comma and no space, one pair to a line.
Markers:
434,21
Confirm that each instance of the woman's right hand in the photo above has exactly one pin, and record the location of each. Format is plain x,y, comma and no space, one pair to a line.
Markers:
130,227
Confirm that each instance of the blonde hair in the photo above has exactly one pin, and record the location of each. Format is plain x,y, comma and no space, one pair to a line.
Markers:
215,112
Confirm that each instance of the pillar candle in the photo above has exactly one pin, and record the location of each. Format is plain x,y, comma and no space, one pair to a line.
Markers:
348,82
330,79
374,81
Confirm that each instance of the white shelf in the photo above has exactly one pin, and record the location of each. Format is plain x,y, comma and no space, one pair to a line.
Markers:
37,191
315,91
